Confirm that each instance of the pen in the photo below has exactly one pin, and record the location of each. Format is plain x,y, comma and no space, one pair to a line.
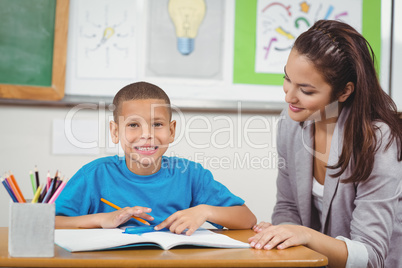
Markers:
117,207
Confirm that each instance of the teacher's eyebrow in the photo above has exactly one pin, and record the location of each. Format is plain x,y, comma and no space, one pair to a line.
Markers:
300,85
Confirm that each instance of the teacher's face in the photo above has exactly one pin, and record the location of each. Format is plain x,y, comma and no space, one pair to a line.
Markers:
307,93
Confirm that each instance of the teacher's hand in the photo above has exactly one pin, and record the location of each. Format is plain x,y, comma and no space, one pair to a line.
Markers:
280,236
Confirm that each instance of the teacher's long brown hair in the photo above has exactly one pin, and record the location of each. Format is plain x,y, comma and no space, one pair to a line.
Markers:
343,55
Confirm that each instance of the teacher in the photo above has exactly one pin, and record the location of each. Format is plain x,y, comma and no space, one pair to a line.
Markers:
339,191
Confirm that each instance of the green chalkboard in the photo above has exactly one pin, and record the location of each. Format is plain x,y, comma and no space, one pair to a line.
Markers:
26,41
33,42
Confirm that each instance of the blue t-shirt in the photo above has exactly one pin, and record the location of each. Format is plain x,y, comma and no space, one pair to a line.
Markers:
178,185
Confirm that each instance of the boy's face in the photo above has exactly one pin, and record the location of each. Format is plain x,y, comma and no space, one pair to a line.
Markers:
144,131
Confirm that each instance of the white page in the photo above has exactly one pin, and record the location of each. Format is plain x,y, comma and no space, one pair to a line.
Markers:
97,239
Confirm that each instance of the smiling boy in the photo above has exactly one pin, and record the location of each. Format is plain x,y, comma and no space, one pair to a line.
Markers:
166,191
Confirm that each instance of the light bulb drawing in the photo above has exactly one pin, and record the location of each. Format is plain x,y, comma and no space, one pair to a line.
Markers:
187,16
107,33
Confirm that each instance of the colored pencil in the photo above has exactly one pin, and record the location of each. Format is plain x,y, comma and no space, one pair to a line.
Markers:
49,192
4,182
42,194
37,194
37,177
31,175
48,181
14,189
117,207
58,191
17,187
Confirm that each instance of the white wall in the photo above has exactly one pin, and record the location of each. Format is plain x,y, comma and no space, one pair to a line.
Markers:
240,150
397,56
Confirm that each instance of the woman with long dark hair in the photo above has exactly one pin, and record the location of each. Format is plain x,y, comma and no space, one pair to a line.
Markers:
340,189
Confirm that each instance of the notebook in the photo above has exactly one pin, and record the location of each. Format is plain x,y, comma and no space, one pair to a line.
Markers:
76,240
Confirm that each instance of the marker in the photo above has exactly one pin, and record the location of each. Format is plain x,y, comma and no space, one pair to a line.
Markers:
117,207
141,229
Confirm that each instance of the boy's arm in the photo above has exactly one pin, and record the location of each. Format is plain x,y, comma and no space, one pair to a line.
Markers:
86,221
103,220
233,217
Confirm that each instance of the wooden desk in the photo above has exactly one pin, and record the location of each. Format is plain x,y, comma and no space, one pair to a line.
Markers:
183,257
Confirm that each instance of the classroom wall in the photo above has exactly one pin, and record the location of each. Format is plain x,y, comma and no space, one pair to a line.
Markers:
238,148
241,152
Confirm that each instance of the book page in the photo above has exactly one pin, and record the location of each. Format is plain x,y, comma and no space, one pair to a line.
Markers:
75,240
201,237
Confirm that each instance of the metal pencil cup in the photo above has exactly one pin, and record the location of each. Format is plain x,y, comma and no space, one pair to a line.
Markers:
31,230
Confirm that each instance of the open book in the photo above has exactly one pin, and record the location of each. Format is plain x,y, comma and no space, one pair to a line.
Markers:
75,240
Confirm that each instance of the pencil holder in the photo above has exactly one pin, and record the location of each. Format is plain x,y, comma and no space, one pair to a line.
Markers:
31,230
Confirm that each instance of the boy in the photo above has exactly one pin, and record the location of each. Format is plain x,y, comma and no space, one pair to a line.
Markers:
172,192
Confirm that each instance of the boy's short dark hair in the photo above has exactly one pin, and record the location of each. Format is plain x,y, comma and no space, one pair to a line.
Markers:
139,91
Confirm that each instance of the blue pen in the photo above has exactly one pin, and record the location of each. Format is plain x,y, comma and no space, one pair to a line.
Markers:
141,229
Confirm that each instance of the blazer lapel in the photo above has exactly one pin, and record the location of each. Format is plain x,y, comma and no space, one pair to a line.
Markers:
331,184
304,171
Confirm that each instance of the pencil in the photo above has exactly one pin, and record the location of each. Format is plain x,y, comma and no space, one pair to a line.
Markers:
37,177
10,192
42,193
37,194
117,207
17,187
31,175
49,192
14,189
48,181
58,191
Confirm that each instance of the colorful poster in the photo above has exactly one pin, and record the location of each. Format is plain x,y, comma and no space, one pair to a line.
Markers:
279,23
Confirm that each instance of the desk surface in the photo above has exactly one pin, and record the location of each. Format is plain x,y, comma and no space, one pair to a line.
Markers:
183,257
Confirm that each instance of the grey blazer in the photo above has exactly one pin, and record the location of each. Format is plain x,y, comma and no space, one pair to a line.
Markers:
369,212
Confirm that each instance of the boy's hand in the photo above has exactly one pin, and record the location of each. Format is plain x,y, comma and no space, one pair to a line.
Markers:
190,219
118,217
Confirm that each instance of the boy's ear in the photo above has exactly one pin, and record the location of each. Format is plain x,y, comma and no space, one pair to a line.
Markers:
114,132
172,130
347,91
